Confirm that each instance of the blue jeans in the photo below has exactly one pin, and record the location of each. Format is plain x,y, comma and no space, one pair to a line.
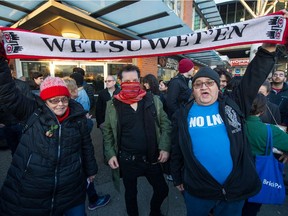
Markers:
76,211
201,207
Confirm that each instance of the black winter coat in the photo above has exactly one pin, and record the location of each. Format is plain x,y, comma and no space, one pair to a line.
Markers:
47,175
243,180
5,116
103,97
271,114
178,93
90,92
281,100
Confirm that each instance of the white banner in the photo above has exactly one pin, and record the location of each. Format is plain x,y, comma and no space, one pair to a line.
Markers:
23,44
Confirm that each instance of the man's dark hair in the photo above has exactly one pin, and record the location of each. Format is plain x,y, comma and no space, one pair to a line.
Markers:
222,71
79,70
153,83
36,75
258,105
166,83
128,68
233,83
267,85
79,79
279,70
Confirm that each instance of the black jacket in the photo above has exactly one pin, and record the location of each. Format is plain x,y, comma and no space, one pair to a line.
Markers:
103,97
271,114
33,85
281,99
5,116
178,93
243,180
90,92
149,118
48,174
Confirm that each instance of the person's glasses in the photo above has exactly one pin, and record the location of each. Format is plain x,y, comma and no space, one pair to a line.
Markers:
198,85
278,75
64,100
108,81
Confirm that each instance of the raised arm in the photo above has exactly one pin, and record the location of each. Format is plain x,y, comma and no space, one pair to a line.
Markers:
255,74
10,97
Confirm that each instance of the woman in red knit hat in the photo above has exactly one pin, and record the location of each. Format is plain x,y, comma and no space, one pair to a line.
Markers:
48,172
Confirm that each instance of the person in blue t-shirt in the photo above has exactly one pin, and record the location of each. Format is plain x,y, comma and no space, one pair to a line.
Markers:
211,162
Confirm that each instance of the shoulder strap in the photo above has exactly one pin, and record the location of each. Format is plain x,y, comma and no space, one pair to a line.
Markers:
271,114
269,141
154,112
31,119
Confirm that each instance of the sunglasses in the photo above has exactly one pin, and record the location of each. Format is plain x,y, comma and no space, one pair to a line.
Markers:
63,100
198,85
108,81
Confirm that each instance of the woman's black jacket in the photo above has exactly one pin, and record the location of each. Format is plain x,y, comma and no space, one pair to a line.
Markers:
48,174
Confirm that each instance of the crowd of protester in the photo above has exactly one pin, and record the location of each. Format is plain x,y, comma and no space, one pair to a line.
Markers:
203,129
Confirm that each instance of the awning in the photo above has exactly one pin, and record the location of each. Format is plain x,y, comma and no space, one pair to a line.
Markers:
209,11
143,19
12,11
132,19
208,57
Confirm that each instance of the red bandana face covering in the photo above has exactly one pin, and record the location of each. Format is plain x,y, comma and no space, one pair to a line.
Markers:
130,93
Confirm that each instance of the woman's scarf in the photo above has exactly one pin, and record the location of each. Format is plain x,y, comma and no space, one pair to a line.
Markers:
130,93
63,117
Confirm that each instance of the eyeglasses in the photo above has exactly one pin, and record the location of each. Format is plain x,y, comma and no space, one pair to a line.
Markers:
108,81
279,75
198,85
64,100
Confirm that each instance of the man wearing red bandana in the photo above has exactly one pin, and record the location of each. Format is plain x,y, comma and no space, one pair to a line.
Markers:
136,136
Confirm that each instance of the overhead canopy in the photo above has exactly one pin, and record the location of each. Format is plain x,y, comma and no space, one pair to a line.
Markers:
109,20
208,57
143,19
209,11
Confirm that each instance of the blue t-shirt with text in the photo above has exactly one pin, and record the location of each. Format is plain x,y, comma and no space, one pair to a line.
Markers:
210,141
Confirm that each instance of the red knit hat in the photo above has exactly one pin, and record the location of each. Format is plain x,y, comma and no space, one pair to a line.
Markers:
52,87
185,65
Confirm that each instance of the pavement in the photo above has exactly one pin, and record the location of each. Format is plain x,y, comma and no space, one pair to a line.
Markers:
173,205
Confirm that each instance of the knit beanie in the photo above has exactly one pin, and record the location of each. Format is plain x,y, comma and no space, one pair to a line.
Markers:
207,72
78,78
52,87
185,65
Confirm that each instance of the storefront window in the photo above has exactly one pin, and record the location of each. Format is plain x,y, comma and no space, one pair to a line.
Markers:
30,67
95,75
167,68
93,72
64,70
113,69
